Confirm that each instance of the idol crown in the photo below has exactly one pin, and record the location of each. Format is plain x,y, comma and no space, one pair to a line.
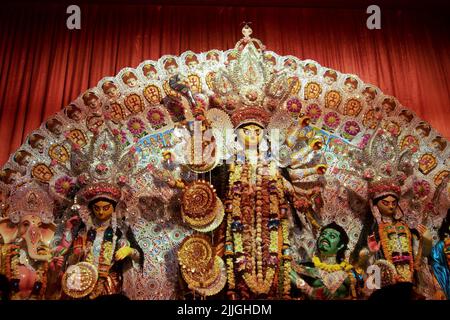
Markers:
249,89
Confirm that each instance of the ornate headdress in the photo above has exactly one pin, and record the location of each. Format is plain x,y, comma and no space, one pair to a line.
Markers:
249,90
383,165
30,199
104,170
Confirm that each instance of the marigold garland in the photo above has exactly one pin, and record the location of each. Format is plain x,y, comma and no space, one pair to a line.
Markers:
345,266
385,231
257,236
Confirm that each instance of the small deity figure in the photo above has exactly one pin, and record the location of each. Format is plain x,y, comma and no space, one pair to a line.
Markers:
110,89
330,77
25,243
37,142
391,243
440,257
150,72
388,106
54,126
329,276
95,252
74,112
91,100
130,79
369,94
23,158
99,247
350,84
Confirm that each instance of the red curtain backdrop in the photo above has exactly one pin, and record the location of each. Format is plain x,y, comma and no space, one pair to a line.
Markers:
44,66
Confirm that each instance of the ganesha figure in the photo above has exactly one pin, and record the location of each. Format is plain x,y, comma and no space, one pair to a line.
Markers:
329,276
25,243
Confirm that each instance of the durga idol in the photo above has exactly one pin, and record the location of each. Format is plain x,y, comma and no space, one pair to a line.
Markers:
254,237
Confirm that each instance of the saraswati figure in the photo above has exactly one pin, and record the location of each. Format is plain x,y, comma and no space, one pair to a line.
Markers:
390,242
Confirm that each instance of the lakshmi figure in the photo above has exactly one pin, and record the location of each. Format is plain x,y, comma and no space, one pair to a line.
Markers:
99,247
329,276
25,243
93,252
440,257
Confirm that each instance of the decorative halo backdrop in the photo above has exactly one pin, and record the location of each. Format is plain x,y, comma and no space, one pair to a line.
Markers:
44,65
361,116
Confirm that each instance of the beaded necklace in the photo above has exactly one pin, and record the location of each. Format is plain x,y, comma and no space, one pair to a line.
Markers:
104,259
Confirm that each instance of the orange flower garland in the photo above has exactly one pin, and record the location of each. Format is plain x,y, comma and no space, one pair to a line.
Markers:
385,231
257,236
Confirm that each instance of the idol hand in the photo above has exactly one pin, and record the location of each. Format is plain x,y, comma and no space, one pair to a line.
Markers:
56,263
321,169
123,252
423,230
72,222
426,239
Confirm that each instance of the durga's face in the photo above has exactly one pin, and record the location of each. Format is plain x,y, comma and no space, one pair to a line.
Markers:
250,135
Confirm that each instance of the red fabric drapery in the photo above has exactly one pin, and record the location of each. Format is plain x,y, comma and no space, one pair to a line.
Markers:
43,65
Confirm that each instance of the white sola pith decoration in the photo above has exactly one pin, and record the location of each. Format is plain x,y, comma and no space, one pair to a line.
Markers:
140,108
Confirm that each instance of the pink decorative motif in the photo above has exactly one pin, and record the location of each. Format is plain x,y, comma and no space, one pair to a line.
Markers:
155,117
313,111
352,128
294,105
332,120
82,179
64,185
421,188
123,180
201,102
136,126
369,174
101,168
